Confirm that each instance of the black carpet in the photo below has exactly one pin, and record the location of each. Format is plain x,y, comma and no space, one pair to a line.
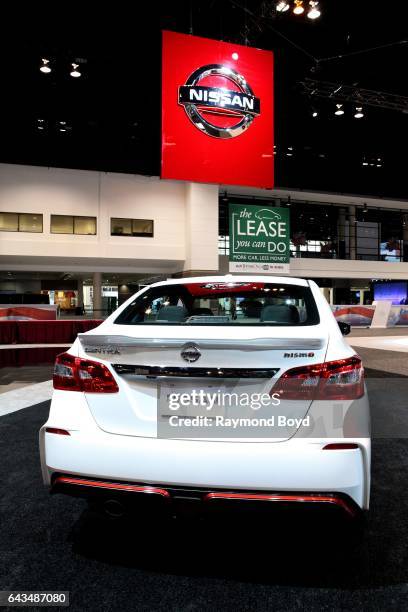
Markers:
55,543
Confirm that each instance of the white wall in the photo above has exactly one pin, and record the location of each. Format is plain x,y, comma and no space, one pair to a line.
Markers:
345,268
102,195
185,224
201,227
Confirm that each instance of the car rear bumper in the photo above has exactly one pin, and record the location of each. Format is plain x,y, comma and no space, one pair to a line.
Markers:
295,466
165,498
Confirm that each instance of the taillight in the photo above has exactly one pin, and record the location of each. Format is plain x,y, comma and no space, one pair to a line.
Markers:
57,430
77,374
342,379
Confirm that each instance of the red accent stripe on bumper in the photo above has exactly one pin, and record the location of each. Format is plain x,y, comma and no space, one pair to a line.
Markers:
345,504
114,486
277,497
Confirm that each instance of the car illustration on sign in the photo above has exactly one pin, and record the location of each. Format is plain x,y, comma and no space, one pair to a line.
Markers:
266,213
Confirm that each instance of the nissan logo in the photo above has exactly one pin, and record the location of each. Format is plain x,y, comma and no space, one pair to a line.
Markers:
190,352
239,104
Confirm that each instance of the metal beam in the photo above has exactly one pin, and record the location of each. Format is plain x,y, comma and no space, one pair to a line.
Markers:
352,93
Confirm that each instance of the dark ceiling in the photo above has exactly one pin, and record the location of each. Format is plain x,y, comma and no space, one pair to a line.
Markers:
112,112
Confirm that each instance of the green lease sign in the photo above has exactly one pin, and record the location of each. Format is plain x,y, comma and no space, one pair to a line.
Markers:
259,239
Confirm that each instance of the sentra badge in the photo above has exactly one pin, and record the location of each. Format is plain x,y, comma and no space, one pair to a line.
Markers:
199,100
102,350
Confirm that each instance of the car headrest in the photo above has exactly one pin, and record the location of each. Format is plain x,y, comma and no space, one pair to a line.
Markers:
171,313
280,313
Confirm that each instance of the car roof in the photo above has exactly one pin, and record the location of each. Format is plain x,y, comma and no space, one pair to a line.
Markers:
229,278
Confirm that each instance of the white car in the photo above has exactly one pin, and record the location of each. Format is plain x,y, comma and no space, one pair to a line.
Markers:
221,391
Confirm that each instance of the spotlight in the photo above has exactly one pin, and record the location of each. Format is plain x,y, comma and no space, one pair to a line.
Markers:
75,72
282,6
365,208
235,56
315,113
314,12
298,10
339,109
359,112
45,67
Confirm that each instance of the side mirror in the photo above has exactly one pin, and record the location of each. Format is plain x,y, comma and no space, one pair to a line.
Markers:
345,328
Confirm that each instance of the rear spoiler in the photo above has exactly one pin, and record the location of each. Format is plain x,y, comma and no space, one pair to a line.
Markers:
110,344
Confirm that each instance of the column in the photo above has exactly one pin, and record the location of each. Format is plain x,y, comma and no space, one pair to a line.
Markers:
405,236
352,232
97,294
80,289
341,233
201,229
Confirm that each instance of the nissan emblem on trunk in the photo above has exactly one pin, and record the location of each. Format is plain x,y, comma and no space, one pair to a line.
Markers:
239,104
190,352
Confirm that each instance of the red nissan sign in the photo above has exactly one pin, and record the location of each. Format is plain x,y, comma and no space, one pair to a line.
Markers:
217,112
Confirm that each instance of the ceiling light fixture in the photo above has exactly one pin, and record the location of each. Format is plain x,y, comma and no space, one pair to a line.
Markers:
339,109
75,72
298,10
282,6
45,68
359,112
313,12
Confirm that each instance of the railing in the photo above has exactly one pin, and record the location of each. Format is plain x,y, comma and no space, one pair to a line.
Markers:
388,250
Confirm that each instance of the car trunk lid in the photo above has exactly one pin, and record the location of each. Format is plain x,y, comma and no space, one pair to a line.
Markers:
148,369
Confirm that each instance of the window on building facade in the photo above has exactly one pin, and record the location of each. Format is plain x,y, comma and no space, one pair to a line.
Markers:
21,222
68,224
132,227
8,222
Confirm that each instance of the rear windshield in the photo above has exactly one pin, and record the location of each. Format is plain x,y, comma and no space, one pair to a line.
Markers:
260,304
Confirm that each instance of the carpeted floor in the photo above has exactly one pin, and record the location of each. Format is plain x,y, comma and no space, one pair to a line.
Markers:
54,543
